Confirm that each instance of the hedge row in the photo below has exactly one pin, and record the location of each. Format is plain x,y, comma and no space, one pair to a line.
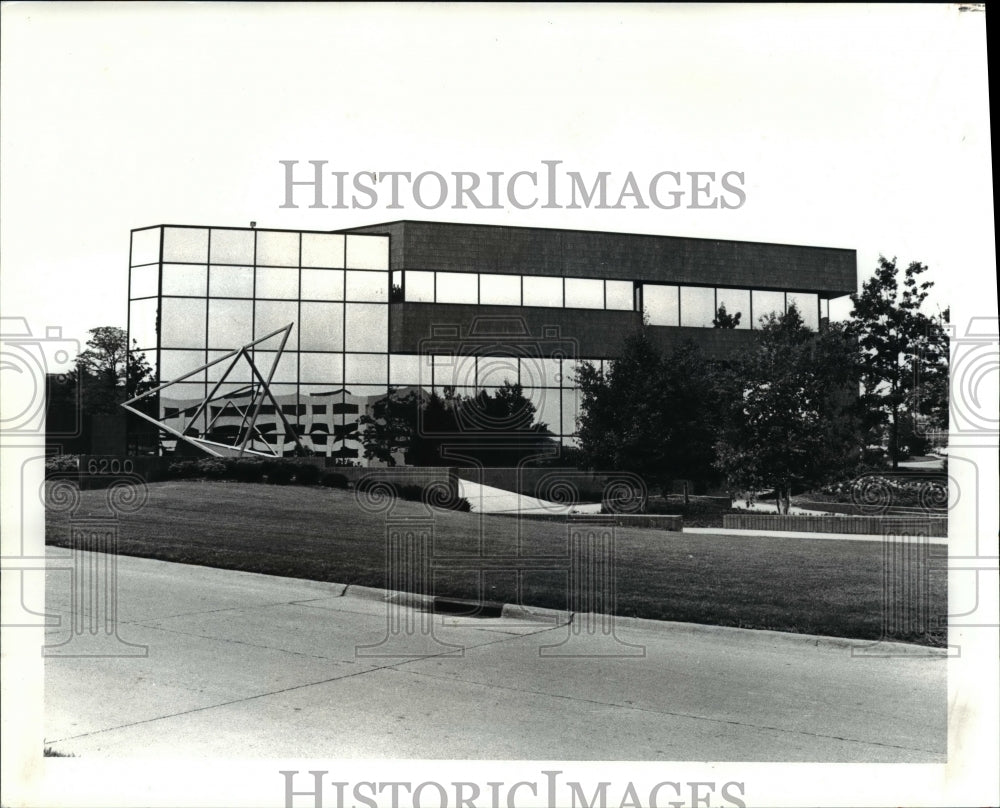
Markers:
276,472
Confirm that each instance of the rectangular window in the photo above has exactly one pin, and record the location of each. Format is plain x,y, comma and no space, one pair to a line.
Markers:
182,322
144,281
323,250
736,301
142,322
540,291
808,306
321,368
419,286
286,370
174,364
365,369
765,303
232,247
404,370
187,245
457,287
322,284
230,281
499,290
272,315
322,326
276,248
660,302
618,295
493,371
584,293
366,327
240,371
367,287
185,279
230,323
540,372
277,283
146,246
368,252
697,306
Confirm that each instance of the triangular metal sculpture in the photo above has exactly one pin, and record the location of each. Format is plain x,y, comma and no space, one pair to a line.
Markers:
259,390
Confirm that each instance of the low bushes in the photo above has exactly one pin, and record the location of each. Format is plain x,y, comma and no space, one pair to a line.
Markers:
435,495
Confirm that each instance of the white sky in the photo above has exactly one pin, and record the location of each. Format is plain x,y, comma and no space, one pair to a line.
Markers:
857,127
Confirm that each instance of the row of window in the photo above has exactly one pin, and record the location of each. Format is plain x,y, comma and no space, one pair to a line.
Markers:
323,368
281,283
558,409
224,324
203,245
664,304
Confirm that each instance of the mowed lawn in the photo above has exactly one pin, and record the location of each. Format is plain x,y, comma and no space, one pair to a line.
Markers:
827,587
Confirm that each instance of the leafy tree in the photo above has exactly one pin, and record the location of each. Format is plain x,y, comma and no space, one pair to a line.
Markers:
654,415
794,419
899,344
725,320
108,372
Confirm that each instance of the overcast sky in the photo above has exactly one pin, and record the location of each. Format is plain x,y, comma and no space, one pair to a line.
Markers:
856,127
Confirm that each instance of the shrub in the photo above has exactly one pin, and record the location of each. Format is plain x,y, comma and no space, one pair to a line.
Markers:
306,474
333,479
211,468
414,493
277,473
183,470
61,463
245,470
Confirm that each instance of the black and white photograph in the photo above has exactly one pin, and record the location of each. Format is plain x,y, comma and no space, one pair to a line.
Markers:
482,405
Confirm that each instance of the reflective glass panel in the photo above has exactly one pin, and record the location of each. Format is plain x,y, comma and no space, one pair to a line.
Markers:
323,250
182,323
367,252
808,306
366,369
366,327
232,247
286,371
542,291
660,303
367,287
570,411
419,286
548,409
185,279
736,301
322,326
765,303
174,364
321,368
280,283
500,290
697,306
272,315
540,372
495,370
185,244
240,370
276,248
146,246
230,323
584,293
230,281
404,369
144,281
322,284
619,295
142,322
457,287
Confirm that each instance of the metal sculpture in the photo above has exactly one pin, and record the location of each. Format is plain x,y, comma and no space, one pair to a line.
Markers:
258,390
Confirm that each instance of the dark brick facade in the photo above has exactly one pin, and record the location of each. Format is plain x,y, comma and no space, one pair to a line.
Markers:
444,247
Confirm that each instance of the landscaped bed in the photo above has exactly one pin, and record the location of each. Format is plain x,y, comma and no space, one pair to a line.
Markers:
818,587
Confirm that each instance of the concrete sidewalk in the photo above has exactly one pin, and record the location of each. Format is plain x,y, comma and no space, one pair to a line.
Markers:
244,665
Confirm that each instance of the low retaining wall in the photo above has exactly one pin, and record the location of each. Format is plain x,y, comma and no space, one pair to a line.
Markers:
657,521
868,525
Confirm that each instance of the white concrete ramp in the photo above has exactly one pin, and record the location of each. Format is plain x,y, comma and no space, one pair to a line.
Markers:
487,499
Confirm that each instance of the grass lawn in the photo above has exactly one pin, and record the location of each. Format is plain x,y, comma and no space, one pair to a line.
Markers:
824,587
